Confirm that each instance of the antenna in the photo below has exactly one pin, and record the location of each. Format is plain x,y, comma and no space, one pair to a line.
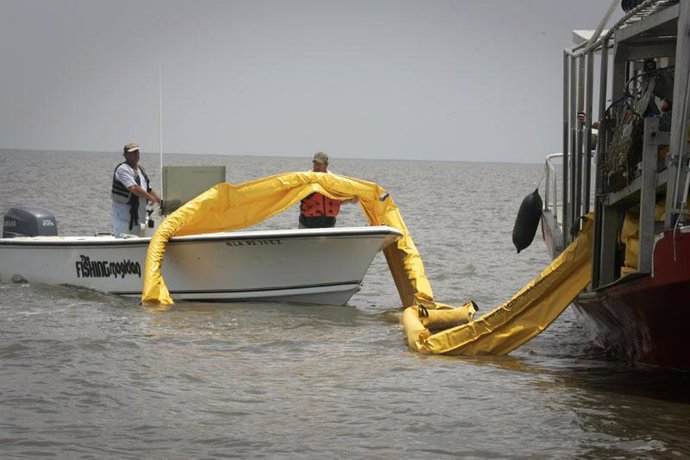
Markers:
160,101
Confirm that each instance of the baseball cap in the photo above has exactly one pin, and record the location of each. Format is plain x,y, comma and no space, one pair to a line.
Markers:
131,147
321,157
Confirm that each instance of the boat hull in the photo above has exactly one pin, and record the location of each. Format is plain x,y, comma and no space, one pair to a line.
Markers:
323,266
645,318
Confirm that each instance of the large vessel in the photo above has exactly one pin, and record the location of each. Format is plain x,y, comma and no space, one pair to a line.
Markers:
630,83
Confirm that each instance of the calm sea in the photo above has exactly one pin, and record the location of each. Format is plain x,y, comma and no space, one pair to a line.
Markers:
88,375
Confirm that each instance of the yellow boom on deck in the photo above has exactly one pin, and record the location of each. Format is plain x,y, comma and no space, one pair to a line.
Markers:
227,207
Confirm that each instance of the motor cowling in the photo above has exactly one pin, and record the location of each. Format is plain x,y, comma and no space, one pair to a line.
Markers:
29,222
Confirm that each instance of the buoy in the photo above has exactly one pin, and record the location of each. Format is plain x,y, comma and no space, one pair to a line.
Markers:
527,221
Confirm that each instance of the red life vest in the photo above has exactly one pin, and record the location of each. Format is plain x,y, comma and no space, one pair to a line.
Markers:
319,205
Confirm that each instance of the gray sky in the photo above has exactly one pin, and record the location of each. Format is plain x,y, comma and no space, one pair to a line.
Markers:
397,79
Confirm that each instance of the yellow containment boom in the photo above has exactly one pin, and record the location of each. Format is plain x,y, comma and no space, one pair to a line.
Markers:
518,320
431,327
226,207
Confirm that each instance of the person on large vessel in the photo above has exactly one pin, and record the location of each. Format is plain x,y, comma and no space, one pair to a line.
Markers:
130,191
317,210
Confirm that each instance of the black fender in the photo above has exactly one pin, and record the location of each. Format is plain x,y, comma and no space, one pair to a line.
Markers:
527,220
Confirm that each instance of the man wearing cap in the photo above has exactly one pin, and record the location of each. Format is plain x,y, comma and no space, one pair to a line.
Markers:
317,210
130,192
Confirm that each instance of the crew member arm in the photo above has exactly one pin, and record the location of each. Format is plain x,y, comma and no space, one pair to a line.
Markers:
139,191
125,174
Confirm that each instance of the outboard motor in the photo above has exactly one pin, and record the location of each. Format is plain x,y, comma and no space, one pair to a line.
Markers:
28,222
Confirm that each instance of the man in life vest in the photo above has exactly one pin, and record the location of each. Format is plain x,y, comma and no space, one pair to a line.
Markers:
317,210
130,191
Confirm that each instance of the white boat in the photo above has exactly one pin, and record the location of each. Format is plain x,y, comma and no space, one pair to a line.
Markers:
321,266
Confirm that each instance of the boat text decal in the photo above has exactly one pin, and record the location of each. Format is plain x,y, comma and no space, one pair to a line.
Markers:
253,243
86,268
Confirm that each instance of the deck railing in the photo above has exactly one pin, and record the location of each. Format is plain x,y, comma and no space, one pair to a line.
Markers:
647,32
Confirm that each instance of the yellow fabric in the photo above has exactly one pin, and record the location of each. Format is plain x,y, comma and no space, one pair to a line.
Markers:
414,329
443,318
630,234
630,237
523,317
226,207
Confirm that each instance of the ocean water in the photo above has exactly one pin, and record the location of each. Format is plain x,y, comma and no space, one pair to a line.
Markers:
88,375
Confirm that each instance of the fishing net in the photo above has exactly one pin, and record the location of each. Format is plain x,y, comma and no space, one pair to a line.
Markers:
625,149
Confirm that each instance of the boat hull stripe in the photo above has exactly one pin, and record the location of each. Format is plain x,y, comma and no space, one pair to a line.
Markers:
239,291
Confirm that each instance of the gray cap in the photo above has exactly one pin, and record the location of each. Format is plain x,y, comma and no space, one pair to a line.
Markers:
320,157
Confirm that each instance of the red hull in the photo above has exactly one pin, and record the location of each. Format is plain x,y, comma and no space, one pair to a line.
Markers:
646,318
